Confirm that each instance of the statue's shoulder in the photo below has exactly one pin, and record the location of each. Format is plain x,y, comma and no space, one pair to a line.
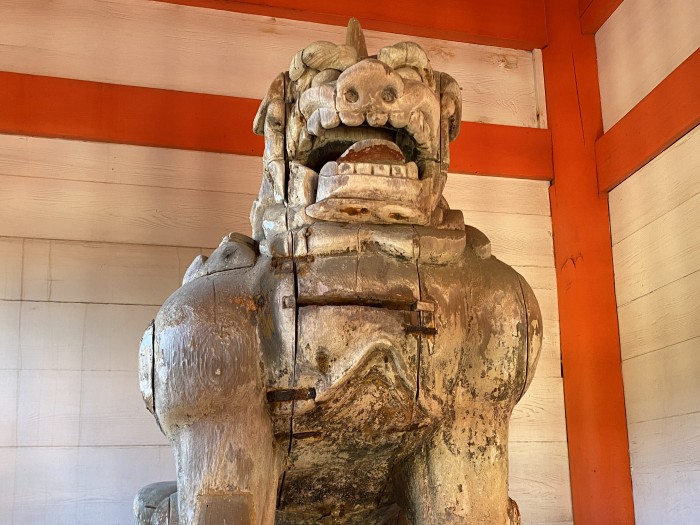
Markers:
236,251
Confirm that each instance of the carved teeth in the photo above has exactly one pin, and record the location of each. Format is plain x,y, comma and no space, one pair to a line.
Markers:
351,118
398,171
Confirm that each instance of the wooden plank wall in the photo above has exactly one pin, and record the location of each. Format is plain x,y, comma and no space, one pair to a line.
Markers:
94,236
655,226
638,46
655,218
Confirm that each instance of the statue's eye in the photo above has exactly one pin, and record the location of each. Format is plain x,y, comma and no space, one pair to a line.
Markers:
351,96
389,94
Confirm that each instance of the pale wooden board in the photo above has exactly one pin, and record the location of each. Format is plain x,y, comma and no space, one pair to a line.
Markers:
82,486
112,335
539,277
7,480
638,46
539,416
126,164
11,268
666,470
88,211
51,336
46,483
663,251
109,477
549,364
103,273
497,194
112,411
539,482
520,240
662,185
8,408
540,93
665,317
48,408
9,338
156,44
663,383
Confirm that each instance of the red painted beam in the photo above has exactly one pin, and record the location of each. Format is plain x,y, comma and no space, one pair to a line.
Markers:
489,149
518,24
662,117
601,484
77,109
595,13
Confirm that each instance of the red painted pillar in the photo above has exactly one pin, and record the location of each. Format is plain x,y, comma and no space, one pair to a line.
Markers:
595,408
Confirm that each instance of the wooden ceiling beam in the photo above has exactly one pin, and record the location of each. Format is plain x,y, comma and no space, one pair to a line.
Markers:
516,24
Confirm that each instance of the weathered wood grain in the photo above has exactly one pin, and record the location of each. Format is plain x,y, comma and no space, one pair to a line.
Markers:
638,46
210,51
660,186
661,252
662,318
663,383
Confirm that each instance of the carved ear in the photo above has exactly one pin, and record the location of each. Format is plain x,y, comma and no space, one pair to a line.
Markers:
274,92
408,54
451,103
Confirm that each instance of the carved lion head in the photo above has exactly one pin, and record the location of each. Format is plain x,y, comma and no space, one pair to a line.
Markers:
353,138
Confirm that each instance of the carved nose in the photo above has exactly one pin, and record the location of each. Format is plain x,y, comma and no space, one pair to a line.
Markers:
369,89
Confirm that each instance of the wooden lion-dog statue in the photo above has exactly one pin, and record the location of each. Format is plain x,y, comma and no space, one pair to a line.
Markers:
357,360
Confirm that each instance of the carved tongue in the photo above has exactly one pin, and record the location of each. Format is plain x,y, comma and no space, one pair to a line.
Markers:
375,151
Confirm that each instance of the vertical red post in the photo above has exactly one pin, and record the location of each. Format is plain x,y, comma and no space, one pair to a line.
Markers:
595,407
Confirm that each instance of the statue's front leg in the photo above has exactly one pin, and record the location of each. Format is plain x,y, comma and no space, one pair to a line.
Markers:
210,401
459,475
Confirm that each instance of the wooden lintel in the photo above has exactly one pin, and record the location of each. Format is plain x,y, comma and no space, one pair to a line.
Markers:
594,14
505,151
596,423
517,24
666,114
76,109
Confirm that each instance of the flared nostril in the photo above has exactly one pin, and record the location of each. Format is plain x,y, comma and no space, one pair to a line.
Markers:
377,119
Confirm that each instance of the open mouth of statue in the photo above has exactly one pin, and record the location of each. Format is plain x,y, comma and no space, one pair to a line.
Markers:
371,174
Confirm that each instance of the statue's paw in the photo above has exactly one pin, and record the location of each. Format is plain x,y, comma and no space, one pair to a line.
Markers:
235,251
149,499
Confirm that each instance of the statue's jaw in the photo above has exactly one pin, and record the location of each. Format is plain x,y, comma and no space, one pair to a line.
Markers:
373,182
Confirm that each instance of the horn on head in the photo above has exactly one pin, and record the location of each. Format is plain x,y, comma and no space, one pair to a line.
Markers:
356,38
